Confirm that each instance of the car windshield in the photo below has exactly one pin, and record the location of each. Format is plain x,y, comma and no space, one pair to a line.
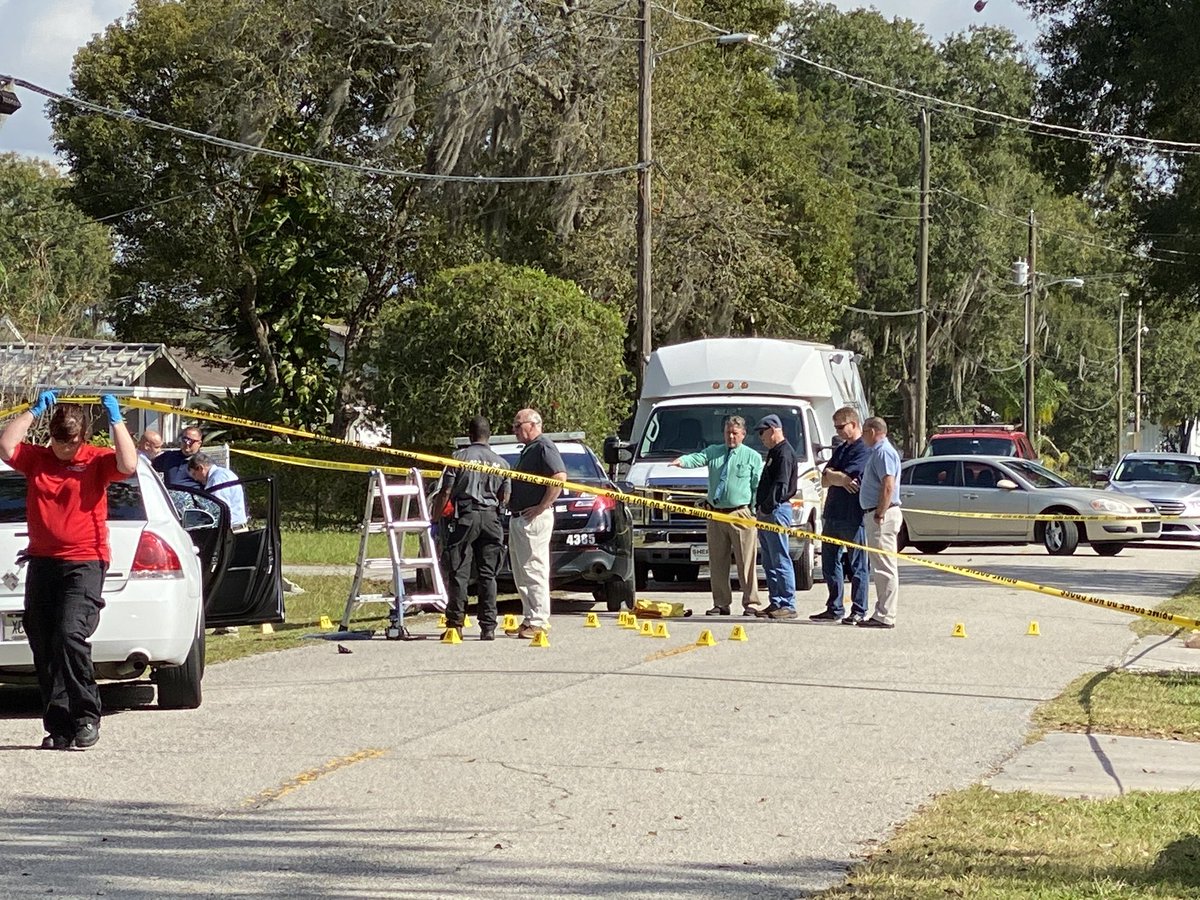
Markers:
1038,476
675,430
581,465
124,499
1180,471
981,446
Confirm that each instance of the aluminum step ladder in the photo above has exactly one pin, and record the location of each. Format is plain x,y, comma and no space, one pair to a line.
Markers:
397,508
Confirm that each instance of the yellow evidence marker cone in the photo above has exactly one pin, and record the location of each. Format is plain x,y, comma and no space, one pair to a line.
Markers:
647,630
510,622
706,639
540,640
621,617
466,621
442,621
267,628
738,634
960,630
592,621
326,623
631,622
660,630
451,636
1033,628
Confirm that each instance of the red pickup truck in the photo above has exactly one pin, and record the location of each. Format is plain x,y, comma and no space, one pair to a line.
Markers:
984,440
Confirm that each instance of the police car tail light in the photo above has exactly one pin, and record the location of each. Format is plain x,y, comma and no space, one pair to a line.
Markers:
602,504
155,559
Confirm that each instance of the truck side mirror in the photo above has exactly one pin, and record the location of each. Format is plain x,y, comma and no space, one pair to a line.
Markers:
821,453
616,452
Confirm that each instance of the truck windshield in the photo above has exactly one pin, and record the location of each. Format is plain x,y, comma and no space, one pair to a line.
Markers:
675,430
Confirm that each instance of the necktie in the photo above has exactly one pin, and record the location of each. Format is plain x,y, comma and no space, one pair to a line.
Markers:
720,494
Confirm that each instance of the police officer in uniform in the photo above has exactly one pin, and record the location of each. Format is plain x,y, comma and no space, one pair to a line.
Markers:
471,532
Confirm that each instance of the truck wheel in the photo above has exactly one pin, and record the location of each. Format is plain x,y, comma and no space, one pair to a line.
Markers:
614,594
803,566
641,575
179,686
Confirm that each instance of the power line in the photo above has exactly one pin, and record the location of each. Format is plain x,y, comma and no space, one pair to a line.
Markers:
314,160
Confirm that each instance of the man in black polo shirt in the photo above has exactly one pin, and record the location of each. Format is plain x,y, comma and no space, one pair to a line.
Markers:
173,464
773,503
843,519
472,531
532,523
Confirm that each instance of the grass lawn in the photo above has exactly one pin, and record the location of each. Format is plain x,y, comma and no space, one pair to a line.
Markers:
332,548
979,843
1145,704
325,595
1185,603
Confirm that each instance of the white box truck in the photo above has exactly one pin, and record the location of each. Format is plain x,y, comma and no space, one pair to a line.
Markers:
690,388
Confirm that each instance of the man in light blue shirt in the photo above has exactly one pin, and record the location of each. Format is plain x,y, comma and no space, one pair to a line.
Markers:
879,497
733,473
208,474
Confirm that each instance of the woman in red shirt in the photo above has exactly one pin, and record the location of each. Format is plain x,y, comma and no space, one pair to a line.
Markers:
67,511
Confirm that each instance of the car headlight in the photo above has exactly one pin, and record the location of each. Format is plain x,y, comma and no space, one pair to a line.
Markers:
1113,506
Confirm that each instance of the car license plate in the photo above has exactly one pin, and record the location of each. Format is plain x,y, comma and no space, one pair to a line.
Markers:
699,553
12,627
580,539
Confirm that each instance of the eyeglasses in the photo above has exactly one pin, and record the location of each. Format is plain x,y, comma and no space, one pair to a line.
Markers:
840,425
519,424
185,441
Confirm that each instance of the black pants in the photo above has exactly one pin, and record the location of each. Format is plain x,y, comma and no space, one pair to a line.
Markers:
473,536
62,609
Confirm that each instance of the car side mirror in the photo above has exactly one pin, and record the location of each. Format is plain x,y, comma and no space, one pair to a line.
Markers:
616,452
1098,475
1007,484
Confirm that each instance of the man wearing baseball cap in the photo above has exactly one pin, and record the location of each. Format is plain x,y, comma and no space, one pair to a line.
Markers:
773,503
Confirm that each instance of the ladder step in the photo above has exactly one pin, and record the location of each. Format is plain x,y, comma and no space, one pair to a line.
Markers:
418,562
424,598
406,525
396,490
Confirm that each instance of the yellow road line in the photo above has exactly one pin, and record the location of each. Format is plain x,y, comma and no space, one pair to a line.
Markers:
283,789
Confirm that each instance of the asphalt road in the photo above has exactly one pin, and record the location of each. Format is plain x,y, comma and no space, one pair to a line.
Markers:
606,764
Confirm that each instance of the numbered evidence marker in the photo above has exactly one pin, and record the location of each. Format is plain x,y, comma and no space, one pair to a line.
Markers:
540,640
706,639
660,630
510,623
647,629
592,621
960,630
738,634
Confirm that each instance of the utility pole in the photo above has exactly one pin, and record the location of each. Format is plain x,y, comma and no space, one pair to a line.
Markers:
922,403
1030,339
644,306
1137,383
1120,366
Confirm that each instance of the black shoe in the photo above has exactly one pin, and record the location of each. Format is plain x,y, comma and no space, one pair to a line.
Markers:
87,735
766,611
718,611
56,742
487,634
852,619
874,623
825,616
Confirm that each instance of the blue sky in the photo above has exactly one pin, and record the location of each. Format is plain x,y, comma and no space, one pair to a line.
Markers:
39,38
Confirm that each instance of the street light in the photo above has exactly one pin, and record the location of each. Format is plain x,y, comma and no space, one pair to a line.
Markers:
646,58
1028,278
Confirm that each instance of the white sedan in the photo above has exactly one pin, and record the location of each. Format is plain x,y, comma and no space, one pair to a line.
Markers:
171,574
985,499
1171,481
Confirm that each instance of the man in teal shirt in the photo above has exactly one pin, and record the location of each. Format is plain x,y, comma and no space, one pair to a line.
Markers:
733,473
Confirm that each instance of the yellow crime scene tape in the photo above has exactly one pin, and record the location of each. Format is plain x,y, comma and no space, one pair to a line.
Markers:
306,462
1020,584
1044,517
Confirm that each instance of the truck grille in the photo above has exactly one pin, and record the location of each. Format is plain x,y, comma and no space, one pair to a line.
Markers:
1169,507
667,517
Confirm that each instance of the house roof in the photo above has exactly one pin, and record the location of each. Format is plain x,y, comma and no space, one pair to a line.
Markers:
211,379
90,364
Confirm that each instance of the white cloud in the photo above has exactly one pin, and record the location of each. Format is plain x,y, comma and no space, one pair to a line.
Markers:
37,43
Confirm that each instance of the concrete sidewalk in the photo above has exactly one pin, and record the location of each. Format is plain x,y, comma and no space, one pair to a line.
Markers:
1106,765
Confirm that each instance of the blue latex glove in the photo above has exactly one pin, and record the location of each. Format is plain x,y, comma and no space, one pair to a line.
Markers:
44,402
109,402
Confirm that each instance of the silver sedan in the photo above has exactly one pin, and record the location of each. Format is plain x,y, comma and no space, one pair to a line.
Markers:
1171,481
990,500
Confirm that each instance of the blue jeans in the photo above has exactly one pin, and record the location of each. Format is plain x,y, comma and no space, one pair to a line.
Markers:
781,577
834,556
